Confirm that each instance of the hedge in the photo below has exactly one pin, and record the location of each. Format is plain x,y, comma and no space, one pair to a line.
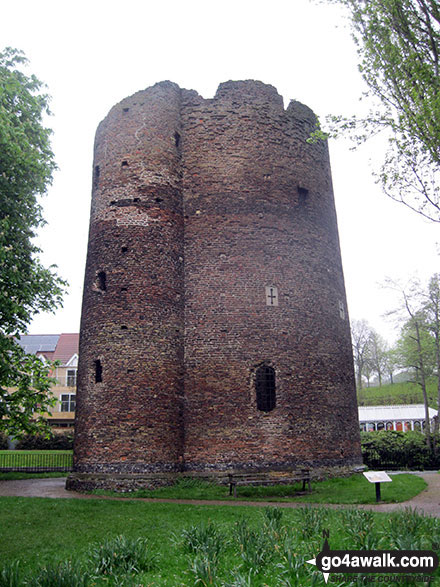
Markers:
398,450
58,441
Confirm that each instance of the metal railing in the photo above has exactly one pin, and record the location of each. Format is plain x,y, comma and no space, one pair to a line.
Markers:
26,462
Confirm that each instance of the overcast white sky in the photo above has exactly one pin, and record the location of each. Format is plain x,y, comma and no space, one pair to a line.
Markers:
92,54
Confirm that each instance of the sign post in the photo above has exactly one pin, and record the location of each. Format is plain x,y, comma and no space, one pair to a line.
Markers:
377,477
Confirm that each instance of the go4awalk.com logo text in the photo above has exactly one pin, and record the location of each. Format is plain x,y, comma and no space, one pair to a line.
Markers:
384,562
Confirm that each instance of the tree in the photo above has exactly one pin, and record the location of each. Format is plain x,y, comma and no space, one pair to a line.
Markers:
360,336
415,347
432,309
398,45
391,362
377,353
26,287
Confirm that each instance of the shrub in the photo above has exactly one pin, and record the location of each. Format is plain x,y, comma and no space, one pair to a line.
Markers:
397,450
10,575
204,539
122,555
59,441
64,574
3,441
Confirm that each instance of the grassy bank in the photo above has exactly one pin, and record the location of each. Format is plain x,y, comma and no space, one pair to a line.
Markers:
172,545
398,393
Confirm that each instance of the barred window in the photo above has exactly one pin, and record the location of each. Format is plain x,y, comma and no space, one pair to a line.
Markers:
265,388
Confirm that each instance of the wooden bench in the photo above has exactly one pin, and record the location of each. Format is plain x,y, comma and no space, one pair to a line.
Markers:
273,478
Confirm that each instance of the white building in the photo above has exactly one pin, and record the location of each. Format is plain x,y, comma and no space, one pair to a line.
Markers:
401,417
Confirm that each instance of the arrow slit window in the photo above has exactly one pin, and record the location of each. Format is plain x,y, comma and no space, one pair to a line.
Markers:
265,388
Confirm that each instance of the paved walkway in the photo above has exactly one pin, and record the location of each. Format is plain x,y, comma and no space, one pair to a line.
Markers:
428,501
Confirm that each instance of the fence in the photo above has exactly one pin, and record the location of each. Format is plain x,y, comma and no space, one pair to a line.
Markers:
38,462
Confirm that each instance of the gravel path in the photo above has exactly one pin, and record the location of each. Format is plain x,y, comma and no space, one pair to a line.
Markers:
428,501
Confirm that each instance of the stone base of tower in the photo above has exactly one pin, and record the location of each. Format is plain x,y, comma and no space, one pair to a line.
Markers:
120,482
125,482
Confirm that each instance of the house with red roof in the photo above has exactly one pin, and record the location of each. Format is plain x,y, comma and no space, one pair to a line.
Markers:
62,348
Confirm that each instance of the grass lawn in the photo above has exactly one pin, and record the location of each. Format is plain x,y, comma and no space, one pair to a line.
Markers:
347,490
16,475
174,544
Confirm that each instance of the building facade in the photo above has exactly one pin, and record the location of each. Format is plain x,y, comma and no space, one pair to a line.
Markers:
401,418
215,334
62,348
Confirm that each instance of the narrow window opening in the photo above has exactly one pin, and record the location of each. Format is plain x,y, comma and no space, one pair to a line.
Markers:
124,249
102,280
159,200
125,110
265,388
98,371
302,195
341,310
177,139
124,164
123,289
96,177
124,327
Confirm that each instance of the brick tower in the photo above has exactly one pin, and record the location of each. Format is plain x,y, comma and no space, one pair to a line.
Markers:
214,334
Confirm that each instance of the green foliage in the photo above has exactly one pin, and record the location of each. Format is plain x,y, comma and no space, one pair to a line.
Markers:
416,348
122,555
26,287
3,441
58,441
10,575
397,450
255,546
63,574
205,539
398,44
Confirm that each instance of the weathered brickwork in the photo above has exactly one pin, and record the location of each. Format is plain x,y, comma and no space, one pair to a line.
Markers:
200,210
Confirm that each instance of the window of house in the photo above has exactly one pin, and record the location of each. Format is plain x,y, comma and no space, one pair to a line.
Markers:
265,388
71,378
68,402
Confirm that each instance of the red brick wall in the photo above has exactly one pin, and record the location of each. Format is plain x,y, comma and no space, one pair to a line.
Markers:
132,420
218,217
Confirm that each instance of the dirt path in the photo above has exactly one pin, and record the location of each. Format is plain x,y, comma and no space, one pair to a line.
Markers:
428,501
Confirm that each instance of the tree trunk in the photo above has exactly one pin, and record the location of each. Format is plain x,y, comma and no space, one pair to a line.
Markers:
422,383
